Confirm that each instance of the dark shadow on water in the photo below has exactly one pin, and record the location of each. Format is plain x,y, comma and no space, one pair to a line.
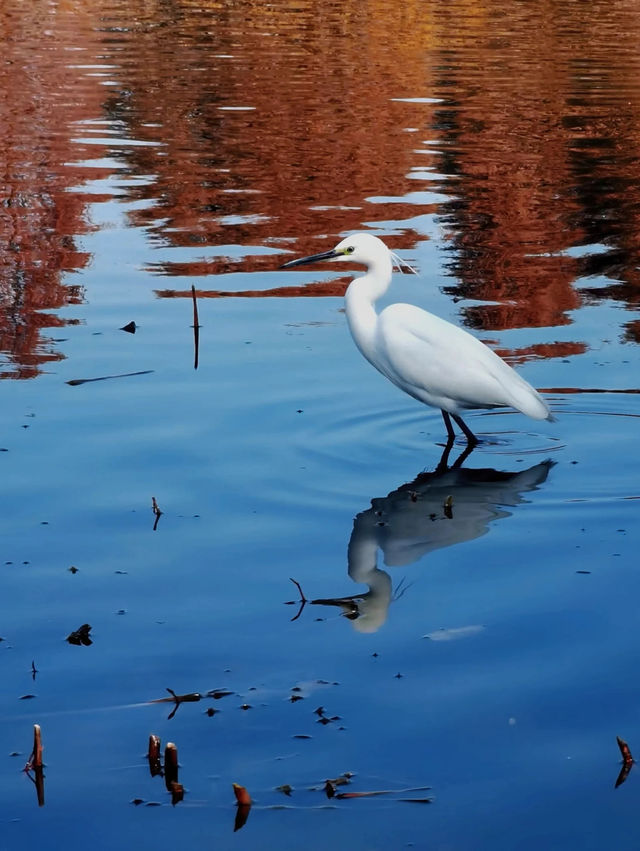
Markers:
448,506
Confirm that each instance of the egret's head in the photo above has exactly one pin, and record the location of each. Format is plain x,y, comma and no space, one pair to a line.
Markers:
364,248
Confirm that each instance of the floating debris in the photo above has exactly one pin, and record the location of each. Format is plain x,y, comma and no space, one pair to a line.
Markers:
448,507
217,693
35,765
243,802
377,792
196,328
242,796
80,636
191,697
627,761
156,511
285,789
170,764
153,755
75,382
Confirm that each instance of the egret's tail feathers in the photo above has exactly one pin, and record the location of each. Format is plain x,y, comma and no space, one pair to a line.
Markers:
528,401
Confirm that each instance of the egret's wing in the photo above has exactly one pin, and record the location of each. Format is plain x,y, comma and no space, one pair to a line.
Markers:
442,365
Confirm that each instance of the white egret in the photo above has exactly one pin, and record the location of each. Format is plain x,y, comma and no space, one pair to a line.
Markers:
427,357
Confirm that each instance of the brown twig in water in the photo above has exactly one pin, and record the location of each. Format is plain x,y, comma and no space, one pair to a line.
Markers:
156,510
35,760
177,699
35,764
170,765
624,750
243,799
303,599
153,755
75,382
196,328
627,761
171,773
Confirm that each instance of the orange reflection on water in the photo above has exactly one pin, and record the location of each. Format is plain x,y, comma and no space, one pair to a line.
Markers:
278,120
507,131
542,128
39,218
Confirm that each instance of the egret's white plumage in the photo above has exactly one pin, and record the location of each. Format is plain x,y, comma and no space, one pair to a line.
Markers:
427,357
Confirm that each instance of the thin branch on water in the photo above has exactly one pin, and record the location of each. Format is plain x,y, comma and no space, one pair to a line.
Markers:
196,328
303,599
156,510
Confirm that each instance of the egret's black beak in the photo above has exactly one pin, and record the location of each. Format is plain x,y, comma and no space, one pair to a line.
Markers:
313,258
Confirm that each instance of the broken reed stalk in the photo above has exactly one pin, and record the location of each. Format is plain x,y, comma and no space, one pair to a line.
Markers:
243,798
156,510
243,803
196,324
153,755
303,599
36,755
625,751
177,793
170,765
196,328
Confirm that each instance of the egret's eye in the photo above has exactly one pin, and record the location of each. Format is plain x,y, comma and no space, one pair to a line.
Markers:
349,250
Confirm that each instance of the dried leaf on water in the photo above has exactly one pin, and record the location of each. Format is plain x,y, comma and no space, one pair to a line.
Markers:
80,636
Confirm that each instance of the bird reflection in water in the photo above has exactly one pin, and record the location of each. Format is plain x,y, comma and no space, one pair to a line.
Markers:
448,506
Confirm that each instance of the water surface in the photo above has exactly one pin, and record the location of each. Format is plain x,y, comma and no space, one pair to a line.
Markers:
467,630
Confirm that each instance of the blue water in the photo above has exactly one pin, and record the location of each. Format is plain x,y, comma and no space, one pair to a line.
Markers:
493,654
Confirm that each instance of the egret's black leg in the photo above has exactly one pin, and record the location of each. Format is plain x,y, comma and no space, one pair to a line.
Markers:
447,421
443,464
472,440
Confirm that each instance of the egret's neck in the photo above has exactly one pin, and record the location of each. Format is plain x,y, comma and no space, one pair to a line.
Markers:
362,293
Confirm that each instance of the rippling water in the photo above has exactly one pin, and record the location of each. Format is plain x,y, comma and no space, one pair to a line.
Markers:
472,630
